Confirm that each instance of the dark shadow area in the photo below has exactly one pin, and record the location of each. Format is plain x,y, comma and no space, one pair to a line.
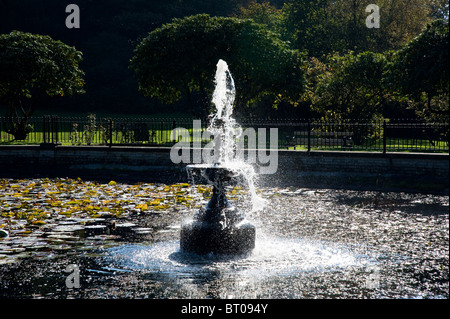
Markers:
357,182
407,203
188,258
101,175
177,174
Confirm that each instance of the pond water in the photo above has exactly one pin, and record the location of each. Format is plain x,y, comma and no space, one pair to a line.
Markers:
311,243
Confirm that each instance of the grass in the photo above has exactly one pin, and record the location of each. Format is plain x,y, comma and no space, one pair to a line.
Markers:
159,133
162,138
70,137
392,145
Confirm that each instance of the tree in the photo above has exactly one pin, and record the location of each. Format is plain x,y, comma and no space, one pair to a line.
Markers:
401,21
110,30
307,22
179,59
325,26
421,69
266,14
32,66
348,86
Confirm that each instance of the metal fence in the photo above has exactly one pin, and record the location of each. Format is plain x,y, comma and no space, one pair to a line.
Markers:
384,136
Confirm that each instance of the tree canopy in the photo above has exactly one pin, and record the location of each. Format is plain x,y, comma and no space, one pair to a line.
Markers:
421,68
32,66
368,84
180,57
109,32
322,29
349,86
324,26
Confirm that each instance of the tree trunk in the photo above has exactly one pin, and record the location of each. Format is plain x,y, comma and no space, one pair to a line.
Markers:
18,124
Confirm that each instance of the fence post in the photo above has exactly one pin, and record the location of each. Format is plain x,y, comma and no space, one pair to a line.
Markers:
384,136
174,126
44,137
51,129
55,123
110,127
309,135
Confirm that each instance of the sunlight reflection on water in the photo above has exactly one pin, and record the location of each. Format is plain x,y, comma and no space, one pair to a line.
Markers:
269,258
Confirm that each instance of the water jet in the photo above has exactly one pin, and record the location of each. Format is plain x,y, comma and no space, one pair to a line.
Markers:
219,228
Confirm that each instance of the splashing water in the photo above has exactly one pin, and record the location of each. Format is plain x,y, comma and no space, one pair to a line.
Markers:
226,131
222,125
271,257
225,91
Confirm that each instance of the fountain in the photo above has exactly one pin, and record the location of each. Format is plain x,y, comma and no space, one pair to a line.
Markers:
219,228
311,243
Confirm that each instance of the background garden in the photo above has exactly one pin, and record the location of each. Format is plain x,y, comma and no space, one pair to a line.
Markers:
295,63
353,226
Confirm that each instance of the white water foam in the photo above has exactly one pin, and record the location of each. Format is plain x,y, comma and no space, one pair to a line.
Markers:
274,257
226,131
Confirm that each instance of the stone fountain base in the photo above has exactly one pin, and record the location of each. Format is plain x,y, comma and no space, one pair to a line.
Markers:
217,228
204,237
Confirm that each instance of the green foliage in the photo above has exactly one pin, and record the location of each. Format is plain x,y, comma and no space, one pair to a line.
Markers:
350,86
180,58
32,66
268,15
112,29
421,68
306,21
372,85
324,26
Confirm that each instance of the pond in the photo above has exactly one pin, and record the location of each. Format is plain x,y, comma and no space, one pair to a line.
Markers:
72,238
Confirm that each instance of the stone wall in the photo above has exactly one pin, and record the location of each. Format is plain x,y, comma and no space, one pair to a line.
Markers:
364,170
314,169
96,162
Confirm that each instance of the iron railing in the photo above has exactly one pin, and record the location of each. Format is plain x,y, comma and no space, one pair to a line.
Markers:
384,136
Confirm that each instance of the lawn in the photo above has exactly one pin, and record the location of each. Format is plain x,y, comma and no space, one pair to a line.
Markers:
156,130
392,145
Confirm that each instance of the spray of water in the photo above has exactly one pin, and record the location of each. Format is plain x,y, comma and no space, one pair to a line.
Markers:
227,131
225,91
